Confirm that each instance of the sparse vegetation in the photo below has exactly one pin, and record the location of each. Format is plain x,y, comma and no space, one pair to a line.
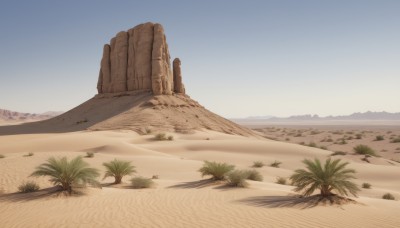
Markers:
388,196
216,170
258,164
254,175
118,169
89,154
364,150
281,180
30,154
379,138
147,130
237,178
163,137
2,156
338,153
312,144
170,138
29,186
396,140
332,176
67,174
366,185
358,136
323,147
141,182
275,164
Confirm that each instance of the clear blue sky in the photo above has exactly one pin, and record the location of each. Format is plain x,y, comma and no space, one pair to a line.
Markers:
239,58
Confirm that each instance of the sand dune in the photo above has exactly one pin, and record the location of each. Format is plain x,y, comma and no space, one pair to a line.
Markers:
181,198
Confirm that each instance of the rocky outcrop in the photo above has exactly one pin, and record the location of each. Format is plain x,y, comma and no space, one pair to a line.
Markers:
138,60
178,85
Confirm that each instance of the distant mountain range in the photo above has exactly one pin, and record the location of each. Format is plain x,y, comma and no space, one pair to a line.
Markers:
308,117
12,116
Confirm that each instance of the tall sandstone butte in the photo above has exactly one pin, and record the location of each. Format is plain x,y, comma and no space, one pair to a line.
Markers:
139,60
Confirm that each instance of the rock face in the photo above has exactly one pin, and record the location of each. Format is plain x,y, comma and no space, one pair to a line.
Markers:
139,60
178,85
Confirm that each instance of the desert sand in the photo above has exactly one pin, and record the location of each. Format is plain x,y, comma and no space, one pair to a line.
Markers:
181,198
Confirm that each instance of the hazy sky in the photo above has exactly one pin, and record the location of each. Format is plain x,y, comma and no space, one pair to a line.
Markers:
239,58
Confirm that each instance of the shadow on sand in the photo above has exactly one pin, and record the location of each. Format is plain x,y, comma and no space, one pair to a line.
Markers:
47,193
198,184
294,201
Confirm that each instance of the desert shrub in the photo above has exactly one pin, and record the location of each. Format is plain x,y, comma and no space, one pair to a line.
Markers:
216,170
388,196
118,169
338,153
147,130
258,164
323,147
141,182
358,136
366,185
281,180
287,139
66,173
2,156
89,154
312,144
341,141
302,143
275,164
237,178
396,140
29,186
30,154
160,137
170,138
364,150
254,175
298,135
332,176
379,138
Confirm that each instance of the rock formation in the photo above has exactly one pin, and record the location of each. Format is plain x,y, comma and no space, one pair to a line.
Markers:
139,60
178,85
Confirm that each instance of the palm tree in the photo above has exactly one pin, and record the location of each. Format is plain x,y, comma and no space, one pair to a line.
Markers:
332,176
67,173
118,169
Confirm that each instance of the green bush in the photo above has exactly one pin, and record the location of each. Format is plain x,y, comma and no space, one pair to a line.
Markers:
366,185
141,182
364,150
89,154
218,171
388,196
237,178
281,180
258,164
379,138
338,153
29,186
275,164
254,175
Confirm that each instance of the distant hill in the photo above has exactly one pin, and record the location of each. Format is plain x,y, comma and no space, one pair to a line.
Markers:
355,116
12,116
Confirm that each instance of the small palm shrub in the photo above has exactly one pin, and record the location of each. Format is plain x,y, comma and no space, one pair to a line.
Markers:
2,156
379,138
281,180
275,164
332,176
237,178
216,170
66,173
366,185
254,175
258,164
364,150
141,182
29,186
118,169
89,154
388,196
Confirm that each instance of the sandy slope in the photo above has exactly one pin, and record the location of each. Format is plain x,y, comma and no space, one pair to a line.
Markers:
181,198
